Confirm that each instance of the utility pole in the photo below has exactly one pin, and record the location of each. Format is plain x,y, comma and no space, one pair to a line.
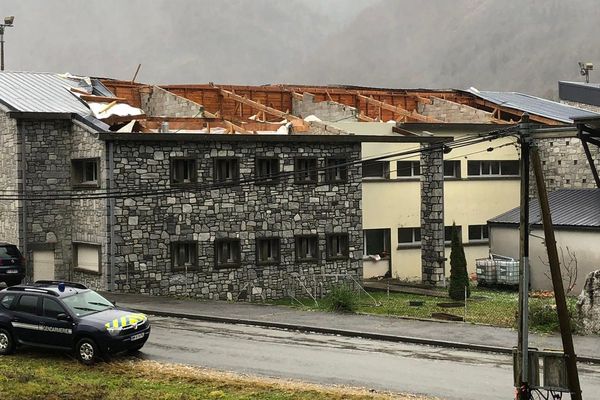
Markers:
8,23
557,283
523,341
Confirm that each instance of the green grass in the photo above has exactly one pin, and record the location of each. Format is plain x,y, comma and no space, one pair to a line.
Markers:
486,306
51,376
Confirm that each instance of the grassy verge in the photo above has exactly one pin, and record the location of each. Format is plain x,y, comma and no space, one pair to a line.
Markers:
53,377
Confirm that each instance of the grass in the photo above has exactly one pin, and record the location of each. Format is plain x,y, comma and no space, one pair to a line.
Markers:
52,376
486,306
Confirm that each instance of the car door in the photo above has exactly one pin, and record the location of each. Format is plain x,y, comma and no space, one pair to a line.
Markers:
55,332
25,319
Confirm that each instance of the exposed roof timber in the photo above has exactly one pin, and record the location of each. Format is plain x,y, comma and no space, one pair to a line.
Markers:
365,118
421,99
233,128
516,113
396,109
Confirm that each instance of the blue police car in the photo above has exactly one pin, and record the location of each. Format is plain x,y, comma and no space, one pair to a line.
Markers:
68,316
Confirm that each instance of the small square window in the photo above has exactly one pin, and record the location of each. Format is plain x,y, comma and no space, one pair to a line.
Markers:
227,170
376,169
377,242
268,251
337,246
307,248
407,169
87,257
336,170
409,236
452,169
448,233
184,171
305,170
84,172
227,253
184,255
267,170
478,233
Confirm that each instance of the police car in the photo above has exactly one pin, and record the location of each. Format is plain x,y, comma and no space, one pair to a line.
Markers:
68,316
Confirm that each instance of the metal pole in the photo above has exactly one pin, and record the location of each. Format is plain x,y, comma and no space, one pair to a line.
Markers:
523,343
557,283
1,48
111,217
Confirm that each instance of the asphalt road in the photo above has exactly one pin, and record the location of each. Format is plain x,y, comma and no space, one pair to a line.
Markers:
445,373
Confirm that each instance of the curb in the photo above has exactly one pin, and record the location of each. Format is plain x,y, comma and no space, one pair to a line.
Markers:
346,333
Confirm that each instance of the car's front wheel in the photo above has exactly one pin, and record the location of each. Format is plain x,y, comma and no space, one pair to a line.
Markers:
86,351
7,345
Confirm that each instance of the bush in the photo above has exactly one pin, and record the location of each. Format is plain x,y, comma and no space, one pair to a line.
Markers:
543,316
459,278
341,298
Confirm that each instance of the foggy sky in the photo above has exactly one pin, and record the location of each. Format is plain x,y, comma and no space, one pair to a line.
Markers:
521,45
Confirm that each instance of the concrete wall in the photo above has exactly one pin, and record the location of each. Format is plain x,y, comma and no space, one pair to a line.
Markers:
9,179
158,102
329,111
450,111
504,240
145,226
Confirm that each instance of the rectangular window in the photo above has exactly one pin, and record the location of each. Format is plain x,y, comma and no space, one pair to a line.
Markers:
305,170
267,251
267,170
336,170
307,248
452,169
493,168
27,304
184,255
377,242
478,233
376,169
51,308
337,246
448,233
87,257
226,170
183,171
409,236
227,253
84,172
407,169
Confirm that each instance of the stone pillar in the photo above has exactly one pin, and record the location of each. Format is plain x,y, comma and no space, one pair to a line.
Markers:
432,216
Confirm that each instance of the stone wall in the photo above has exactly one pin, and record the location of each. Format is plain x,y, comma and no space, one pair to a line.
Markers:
158,102
145,226
432,215
450,111
328,111
9,179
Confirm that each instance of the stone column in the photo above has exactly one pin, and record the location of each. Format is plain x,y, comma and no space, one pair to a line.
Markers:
432,215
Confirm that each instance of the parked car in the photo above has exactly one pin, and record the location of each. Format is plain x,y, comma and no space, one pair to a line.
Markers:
12,264
68,316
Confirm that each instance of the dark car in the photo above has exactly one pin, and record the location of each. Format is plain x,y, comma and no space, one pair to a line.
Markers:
12,264
68,316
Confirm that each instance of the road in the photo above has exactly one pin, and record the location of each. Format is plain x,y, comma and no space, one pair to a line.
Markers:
324,359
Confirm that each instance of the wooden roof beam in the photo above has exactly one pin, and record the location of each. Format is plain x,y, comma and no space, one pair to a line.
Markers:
514,112
397,110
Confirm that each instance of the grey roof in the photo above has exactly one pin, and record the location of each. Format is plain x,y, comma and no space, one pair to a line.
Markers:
534,105
40,92
575,208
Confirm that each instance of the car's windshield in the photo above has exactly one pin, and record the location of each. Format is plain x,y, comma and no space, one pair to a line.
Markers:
85,303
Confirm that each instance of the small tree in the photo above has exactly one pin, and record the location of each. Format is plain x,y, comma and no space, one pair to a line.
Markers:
459,278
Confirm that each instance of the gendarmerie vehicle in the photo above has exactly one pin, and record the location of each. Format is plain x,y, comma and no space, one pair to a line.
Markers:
68,316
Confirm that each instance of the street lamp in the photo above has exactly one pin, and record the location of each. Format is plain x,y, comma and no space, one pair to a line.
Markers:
8,23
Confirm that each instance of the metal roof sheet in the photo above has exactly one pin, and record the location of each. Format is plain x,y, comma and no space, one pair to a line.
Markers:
534,105
577,208
40,92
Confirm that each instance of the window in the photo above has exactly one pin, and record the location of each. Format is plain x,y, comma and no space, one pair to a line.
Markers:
377,242
452,169
307,248
409,236
267,251
336,170
337,246
305,170
184,255
27,304
7,300
87,257
487,168
478,233
227,253
267,170
84,172
448,233
408,168
376,169
183,171
227,170
51,308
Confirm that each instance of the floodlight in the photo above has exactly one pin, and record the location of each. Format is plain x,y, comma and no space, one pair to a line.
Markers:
9,20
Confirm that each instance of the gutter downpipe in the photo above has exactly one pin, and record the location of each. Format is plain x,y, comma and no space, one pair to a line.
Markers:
111,218
23,197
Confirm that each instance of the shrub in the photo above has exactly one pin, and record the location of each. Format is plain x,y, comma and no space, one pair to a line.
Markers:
341,298
459,278
543,316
